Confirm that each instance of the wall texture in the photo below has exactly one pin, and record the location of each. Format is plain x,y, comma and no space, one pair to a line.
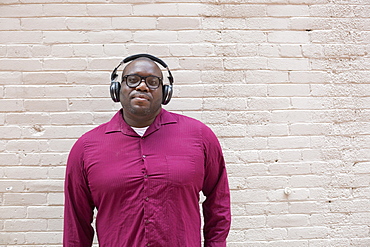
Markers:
283,83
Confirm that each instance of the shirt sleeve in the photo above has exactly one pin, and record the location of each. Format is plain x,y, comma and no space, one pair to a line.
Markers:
79,206
216,207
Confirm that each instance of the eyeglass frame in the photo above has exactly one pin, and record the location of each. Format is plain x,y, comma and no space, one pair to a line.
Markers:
141,79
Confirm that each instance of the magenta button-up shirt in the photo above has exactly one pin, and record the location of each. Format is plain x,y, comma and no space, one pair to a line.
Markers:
146,189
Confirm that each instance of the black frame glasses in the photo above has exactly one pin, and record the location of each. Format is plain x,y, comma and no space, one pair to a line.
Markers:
147,79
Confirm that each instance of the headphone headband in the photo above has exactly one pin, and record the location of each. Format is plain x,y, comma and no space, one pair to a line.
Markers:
133,57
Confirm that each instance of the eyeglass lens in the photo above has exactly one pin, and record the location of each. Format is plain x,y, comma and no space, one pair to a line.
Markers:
152,82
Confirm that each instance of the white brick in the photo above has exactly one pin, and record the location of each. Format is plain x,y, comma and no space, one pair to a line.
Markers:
20,64
44,186
39,238
263,234
288,90
12,238
10,132
288,220
193,8
248,222
243,196
154,10
255,63
53,23
13,212
134,23
89,78
229,77
264,182
18,51
342,242
56,199
42,78
288,37
244,36
291,50
26,145
62,64
13,77
95,50
42,105
27,118
21,10
201,63
11,105
46,212
24,199
87,23
297,195
26,225
26,173
287,10
289,168
178,23
19,37
266,76
267,23
243,10
305,208
64,10
288,64
55,225
269,50
273,103
9,23
155,36
308,232
58,37
109,9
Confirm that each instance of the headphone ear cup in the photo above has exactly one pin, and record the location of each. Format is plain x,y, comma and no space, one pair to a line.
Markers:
115,88
167,94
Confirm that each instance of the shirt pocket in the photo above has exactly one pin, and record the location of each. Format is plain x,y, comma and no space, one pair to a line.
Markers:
181,169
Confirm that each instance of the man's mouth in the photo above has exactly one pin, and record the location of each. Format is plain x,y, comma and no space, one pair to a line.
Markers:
140,97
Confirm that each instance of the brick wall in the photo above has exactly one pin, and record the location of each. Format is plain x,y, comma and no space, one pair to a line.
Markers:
283,83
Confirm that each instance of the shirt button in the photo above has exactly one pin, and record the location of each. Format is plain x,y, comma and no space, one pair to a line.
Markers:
148,244
147,222
147,199
144,156
145,176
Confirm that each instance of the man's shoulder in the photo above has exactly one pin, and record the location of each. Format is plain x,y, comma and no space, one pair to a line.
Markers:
95,132
183,119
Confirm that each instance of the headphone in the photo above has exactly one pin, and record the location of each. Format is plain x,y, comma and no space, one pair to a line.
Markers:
115,86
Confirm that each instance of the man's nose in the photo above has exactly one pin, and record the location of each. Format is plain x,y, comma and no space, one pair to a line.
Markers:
142,86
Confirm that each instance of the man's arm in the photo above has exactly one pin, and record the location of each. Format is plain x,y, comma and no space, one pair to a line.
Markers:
216,207
78,208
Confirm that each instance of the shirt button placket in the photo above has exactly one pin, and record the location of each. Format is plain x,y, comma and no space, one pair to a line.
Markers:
146,198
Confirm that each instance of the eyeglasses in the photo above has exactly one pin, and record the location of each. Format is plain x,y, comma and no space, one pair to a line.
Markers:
134,80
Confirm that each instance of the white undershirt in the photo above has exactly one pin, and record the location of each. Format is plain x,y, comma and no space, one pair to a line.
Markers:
140,131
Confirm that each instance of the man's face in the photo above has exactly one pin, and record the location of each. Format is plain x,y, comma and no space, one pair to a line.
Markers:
141,101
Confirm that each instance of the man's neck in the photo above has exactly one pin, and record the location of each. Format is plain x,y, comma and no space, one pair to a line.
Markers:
139,121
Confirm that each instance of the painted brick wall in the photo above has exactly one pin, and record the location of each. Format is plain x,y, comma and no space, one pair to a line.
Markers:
283,83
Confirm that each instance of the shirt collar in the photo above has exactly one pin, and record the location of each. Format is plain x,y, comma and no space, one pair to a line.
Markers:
117,123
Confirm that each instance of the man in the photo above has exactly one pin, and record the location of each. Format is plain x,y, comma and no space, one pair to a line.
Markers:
143,171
